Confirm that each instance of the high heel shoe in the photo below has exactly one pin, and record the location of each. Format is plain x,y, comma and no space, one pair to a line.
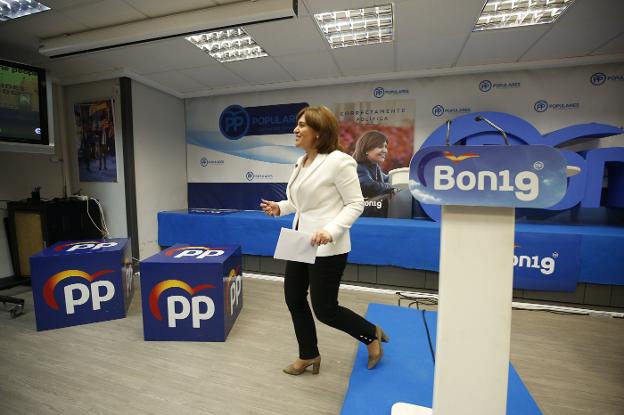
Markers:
380,337
315,363
379,333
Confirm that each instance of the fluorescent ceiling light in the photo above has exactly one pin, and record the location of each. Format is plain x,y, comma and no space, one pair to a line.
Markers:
12,9
357,27
499,14
228,45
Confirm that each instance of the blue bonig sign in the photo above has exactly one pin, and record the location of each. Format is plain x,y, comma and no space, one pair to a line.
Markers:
511,176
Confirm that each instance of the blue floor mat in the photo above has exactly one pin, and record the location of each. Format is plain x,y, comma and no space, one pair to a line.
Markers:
519,400
405,374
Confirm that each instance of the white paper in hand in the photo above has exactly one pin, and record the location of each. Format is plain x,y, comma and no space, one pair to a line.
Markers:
295,246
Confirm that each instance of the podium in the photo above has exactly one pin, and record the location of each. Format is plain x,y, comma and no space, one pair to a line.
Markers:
478,188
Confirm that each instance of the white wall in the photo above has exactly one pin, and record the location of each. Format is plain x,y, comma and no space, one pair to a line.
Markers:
603,103
112,196
20,173
159,160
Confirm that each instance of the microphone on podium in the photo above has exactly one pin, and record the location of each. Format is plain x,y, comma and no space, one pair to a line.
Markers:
494,126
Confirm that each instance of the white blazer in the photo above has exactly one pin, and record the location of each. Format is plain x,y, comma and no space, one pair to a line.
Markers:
328,197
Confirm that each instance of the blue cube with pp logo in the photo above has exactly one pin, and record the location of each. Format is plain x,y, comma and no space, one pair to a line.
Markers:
191,292
80,282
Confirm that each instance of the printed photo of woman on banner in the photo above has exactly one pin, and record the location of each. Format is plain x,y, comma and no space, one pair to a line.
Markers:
95,136
380,137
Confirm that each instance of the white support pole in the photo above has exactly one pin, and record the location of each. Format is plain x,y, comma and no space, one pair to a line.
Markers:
474,313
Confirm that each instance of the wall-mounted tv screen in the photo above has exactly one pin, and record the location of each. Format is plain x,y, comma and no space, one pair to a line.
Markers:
23,104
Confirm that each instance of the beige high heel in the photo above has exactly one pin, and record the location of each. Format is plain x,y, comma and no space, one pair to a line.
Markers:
381,337
315,363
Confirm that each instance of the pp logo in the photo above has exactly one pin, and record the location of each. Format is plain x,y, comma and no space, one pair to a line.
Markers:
203,162
437,110
598,78
98,291
92,245
540,106
234,286
249,176
485,85
200,307
234,122
197,252
379,92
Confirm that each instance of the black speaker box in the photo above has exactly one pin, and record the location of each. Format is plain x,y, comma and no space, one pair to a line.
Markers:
35,225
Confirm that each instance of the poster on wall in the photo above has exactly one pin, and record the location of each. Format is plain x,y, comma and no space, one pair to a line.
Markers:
380,136
239,154
95,141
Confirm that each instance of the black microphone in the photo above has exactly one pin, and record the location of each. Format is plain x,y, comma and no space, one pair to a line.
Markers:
494,126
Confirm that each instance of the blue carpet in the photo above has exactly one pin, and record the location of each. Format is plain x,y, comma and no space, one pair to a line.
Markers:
405,374
519,400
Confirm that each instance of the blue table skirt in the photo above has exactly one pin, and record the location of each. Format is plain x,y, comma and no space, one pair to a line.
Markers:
406,243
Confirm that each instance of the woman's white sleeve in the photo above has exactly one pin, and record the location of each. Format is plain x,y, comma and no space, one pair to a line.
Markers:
348,186
286,207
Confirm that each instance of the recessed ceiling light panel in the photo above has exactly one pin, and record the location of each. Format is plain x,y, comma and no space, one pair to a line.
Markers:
357,27
500,14
12,9
228,45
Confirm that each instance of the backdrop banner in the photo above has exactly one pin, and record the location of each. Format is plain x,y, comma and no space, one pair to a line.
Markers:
368,127
240,155
237,139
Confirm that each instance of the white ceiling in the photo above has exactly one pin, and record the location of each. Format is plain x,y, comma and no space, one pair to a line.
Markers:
432,37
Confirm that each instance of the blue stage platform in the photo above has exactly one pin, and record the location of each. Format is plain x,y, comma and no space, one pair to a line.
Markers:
407,243
406,372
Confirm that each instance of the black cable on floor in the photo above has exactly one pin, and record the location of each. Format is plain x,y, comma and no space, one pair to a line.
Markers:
428,336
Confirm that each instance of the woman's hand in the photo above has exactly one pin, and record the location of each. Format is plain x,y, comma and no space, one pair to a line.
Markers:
269,207
321,237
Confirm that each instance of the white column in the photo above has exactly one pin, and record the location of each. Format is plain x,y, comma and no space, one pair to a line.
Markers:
474,311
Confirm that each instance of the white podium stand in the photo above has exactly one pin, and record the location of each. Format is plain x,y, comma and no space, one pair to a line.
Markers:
474,313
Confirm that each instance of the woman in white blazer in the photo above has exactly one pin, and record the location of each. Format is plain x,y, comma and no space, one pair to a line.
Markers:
324,194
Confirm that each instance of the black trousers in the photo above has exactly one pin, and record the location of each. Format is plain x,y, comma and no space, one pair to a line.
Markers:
323,279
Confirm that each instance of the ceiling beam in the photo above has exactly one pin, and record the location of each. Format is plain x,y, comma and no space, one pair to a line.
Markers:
174,25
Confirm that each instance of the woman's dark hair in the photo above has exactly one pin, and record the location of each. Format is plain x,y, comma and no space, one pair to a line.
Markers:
368,141
322,120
